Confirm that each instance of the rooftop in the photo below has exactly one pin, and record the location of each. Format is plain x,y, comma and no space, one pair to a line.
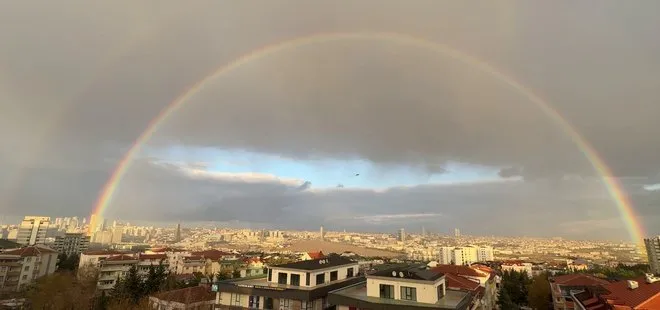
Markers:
456,282
30,251
578,279
409,272
316,264
460,270
358,293
187,295
620,294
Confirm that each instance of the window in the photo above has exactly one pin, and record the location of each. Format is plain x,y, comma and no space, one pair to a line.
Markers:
25,277
307,305
270,275
235,299
333,276
26,268
320,278
441,291
282,277
408,293
387,291
295,279
349,272
307,279
285,304
254,302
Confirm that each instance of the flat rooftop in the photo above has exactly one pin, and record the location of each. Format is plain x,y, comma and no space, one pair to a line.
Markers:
262,282
451,300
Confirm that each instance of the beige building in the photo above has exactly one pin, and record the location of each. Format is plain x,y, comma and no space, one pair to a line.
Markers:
653,252
33,230
11,266
71,243
114,268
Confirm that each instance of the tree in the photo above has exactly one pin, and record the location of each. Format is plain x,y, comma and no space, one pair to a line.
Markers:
69,262
236,274
539,292
62,290
130,287
223,274
504,300
156,279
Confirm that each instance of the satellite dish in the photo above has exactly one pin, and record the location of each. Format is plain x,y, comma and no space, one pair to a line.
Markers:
401,274
394,273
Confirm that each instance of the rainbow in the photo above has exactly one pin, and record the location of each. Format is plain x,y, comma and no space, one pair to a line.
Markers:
623,204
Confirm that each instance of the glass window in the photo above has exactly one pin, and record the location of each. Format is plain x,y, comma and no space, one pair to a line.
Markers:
282,277
295,279
235,299
307,279
285,304
387,291
408,293
349,272
254,302
307,305
333,276
270,275
320,278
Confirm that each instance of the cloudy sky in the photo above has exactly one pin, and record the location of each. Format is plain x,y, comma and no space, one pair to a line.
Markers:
278,141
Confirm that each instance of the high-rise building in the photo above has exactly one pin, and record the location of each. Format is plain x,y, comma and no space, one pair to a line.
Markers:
423,231
177,236
33,230
322,233
71,243
402,235
653,252
457,232
95,223
485,254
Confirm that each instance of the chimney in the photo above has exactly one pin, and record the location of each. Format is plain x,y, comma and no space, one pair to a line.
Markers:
632,284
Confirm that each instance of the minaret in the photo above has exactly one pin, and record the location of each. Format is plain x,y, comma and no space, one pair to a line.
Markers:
177,237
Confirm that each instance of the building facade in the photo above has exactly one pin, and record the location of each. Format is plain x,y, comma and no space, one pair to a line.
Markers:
33,230
653,252
35,261
71,243
299,285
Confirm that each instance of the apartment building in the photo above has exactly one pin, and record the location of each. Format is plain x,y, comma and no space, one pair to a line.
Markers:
113,269
464,255
33,230
71,243
484,276
94,258
401,287
653,252
299,285
518,266
564,287
11,266
35,261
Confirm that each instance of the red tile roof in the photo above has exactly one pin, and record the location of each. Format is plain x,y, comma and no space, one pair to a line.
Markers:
121,257
211,254
316,255
579,279
458,270
30,251
103,252
460,283
187,295
620,294
153,256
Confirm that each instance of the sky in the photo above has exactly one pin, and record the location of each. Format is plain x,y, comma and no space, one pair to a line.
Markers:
362,134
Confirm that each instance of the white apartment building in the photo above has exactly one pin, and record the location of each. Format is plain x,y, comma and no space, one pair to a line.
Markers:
401,287
518,266
35,262
114,268
298,285
33,230
464,255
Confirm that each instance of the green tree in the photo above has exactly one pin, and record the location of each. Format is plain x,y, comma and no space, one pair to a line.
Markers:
236,274
504,300
539,292
223,274
130,288
155,280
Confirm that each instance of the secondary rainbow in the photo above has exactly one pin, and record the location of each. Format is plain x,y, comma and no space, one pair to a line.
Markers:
624,206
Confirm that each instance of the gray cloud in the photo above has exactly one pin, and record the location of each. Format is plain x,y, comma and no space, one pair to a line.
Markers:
80,82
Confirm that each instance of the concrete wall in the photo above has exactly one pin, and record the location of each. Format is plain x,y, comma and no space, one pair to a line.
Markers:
342,272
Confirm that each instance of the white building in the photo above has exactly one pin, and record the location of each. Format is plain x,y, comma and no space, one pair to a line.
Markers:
71,243
33,230
464,255
485,254
402,287
518,266
114,268
36,262
299,285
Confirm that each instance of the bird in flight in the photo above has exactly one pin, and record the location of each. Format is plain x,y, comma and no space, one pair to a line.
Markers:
357,174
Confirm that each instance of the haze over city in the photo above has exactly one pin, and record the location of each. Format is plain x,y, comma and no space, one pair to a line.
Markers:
365,131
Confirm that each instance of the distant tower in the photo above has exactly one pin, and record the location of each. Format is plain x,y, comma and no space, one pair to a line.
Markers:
457,232
402,235
423,231
322,233
177,237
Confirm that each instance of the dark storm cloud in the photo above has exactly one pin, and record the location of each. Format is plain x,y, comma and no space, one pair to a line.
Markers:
79,82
